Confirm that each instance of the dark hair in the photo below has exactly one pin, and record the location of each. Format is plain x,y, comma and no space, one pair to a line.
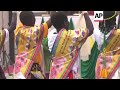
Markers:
58,19
27,18
110,23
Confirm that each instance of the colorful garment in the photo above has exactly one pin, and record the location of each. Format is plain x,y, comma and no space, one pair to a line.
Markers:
89,58
48,55
82,64
108,67
27,38
88,66
65,51
51,39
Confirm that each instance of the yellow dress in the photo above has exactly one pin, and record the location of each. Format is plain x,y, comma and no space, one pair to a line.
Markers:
26,39
65,51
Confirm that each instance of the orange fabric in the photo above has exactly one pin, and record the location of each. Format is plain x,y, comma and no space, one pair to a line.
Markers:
45,29
38,58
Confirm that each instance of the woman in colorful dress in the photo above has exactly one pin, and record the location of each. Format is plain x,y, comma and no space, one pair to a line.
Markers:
66,45
27,36
4,37
108,40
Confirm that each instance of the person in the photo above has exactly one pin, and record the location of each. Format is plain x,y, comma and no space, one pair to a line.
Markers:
4,37
66,46
88,55
107,38
27,36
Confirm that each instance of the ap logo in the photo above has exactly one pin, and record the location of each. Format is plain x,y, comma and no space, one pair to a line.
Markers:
98,16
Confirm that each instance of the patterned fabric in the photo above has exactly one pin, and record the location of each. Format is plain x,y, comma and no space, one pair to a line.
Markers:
112,64
27,38
65,51
22,65
112,58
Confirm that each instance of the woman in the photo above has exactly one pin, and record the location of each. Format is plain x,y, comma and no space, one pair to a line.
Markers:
107,37
27,36
65,46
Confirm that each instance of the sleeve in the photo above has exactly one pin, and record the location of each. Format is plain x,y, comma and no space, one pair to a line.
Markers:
7,35
81,33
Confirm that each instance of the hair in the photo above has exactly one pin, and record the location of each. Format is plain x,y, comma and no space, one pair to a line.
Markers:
110,23
58,20
27,18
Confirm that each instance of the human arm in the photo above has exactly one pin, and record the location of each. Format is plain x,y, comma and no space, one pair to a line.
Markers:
89,23
47,24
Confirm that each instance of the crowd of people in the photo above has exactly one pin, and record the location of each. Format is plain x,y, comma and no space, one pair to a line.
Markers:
58,56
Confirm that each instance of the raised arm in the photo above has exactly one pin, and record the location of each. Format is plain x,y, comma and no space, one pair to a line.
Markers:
13,22
49,21
88,21
47,25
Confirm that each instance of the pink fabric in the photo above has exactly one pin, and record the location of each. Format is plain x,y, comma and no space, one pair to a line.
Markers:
21,60
70,75
100,65
11,68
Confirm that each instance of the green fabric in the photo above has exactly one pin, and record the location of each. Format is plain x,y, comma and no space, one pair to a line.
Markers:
71,25
47,54
42,20
88,67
